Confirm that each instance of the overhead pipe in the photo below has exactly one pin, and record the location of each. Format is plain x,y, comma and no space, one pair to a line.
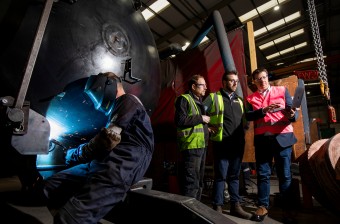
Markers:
215,20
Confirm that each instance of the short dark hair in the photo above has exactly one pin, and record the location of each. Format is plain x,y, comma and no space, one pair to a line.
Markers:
194,79
226,73
257,71
111,75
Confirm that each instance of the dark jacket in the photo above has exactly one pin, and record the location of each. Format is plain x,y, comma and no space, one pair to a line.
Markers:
233,126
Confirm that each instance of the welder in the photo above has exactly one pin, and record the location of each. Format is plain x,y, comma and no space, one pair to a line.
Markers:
102,170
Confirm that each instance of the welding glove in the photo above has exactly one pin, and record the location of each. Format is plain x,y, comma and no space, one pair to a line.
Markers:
99,146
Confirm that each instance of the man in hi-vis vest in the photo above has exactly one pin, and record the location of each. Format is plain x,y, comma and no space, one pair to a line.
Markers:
192,136
270,107
226,128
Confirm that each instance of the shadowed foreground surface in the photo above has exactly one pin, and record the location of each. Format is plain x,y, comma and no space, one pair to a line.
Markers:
16,207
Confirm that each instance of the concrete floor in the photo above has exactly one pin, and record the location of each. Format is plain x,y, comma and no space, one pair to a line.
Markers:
14,209
314,214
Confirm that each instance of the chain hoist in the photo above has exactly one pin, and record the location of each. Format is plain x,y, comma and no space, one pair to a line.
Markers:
318,49
320,61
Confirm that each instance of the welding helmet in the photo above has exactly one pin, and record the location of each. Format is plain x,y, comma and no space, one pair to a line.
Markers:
102,90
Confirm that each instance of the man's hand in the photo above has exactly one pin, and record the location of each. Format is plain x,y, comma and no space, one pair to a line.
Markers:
213,129
270,108
289,112
81,154
99,145
206,119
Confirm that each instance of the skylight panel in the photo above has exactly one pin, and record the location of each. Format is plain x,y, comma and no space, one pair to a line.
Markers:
292,16
273,56
259,10
249,15
260,31
266,6
298,32
309,59
282,39
157,6
147,14
188,43
286,50
266,45
301,45
278,23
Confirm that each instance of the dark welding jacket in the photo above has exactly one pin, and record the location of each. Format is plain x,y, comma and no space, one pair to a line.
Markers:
130,115
192,133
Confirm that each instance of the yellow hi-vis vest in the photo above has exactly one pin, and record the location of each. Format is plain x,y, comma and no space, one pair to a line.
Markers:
216,115
192,137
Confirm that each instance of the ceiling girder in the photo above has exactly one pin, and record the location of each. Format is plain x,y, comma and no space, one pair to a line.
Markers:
192,21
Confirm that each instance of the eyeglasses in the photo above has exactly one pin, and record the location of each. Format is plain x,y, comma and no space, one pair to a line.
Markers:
200,84
234,81
260,78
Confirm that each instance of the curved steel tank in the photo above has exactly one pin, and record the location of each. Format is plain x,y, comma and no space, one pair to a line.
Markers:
80,39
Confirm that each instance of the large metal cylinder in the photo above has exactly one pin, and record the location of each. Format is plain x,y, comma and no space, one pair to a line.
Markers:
81,39
320,171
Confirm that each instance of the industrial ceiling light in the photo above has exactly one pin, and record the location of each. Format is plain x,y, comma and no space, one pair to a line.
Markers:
277,7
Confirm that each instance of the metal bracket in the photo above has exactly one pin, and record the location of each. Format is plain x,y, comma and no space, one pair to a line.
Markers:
127,72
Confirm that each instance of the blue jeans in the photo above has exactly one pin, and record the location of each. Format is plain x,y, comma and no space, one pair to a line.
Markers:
227,166
264,155
194,166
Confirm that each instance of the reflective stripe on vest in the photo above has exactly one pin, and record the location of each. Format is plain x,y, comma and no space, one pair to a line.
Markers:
192,137
216,115
276,122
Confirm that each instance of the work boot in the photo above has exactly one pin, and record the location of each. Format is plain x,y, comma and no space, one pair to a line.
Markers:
218,208
237,210
260,214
